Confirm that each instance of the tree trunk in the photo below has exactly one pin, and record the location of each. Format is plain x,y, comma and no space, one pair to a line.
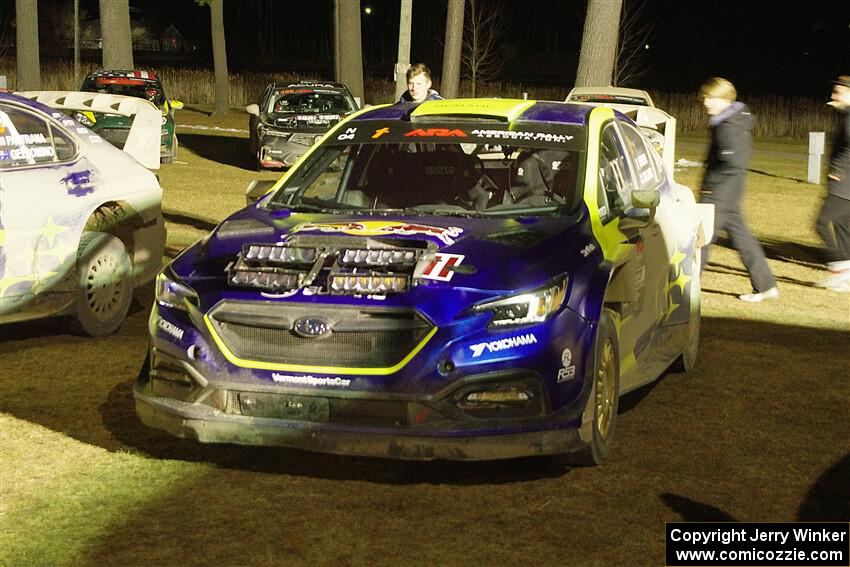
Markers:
599,43
451,56
350,50
29,69
116,34
221,104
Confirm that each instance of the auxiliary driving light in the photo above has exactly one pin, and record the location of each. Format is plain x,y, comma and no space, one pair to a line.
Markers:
266,279
273,254
367,283
372,257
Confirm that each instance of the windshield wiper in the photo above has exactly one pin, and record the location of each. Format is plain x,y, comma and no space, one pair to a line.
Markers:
437,210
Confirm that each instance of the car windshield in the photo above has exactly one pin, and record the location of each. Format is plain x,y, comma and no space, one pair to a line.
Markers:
452,171
309,101
148,90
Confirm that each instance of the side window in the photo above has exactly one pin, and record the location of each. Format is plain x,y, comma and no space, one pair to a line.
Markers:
615,177
27,140
644,158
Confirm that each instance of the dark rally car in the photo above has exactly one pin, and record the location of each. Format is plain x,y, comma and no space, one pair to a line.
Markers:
460,279
291,117
115,128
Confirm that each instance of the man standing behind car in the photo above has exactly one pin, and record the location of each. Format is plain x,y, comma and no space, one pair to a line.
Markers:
833,224
419,85
724,182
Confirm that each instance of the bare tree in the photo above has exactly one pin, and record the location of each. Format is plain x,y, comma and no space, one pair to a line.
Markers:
599,43
483,25
350,50
451,55
630,64
221,103
221,99
29,68
116,34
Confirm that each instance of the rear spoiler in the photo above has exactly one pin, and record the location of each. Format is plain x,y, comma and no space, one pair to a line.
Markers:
143,140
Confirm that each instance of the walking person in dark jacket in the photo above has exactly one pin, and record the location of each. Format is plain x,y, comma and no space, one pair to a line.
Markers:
725,181
833,224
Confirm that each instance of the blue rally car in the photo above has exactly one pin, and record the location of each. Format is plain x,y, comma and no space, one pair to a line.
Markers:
460,279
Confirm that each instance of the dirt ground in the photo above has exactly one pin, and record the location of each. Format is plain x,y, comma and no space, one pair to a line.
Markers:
757,432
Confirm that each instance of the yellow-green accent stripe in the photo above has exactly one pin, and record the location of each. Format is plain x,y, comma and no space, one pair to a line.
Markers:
612,241
260,365
506,108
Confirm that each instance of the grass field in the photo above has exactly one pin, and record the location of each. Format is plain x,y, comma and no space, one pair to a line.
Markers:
757,432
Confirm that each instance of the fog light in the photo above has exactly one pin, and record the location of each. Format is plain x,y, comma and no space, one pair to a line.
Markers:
513,397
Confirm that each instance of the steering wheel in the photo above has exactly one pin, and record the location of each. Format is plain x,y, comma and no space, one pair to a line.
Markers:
484,180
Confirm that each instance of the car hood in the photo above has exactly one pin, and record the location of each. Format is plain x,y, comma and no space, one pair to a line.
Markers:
476,257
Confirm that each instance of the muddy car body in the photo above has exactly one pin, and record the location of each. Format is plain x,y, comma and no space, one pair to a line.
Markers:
468,279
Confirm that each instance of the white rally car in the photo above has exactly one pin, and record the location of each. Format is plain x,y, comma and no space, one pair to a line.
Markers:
80,220
656,124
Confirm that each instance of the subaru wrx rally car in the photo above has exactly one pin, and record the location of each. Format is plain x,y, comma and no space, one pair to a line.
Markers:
80,220
136,83
458,279
291,117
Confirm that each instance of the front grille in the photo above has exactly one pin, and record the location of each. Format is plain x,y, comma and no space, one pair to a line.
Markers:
115,136
358,338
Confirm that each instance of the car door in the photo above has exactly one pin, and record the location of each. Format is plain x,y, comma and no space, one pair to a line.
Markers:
635,282
44,193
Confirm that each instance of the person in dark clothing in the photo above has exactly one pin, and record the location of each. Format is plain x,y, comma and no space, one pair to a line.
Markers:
833,223
419,85
725,181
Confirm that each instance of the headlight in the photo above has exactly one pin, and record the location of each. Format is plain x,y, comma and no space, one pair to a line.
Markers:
532,307
83,119
169,293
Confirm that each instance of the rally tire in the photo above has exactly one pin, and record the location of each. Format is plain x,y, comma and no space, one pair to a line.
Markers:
104,284
600,414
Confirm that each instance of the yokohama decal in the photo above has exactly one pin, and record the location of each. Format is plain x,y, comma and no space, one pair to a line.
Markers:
440,267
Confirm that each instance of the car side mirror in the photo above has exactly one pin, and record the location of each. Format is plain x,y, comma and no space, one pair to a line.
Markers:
644,203
176,104
257,189
253,109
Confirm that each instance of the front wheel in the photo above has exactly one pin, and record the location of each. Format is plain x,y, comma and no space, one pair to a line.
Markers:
600,414
104,282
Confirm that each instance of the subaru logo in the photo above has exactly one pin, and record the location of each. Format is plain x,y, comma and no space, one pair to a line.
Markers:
311,328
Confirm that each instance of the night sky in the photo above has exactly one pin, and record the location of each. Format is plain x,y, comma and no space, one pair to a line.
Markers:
784,47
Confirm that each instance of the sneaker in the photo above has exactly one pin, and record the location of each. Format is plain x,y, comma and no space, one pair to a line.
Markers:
755,297
838,267
838,282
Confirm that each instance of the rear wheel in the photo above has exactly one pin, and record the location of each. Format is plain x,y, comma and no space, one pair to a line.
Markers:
105,284
600,414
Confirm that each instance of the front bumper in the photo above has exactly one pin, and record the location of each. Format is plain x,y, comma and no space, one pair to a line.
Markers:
208,425
280,152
